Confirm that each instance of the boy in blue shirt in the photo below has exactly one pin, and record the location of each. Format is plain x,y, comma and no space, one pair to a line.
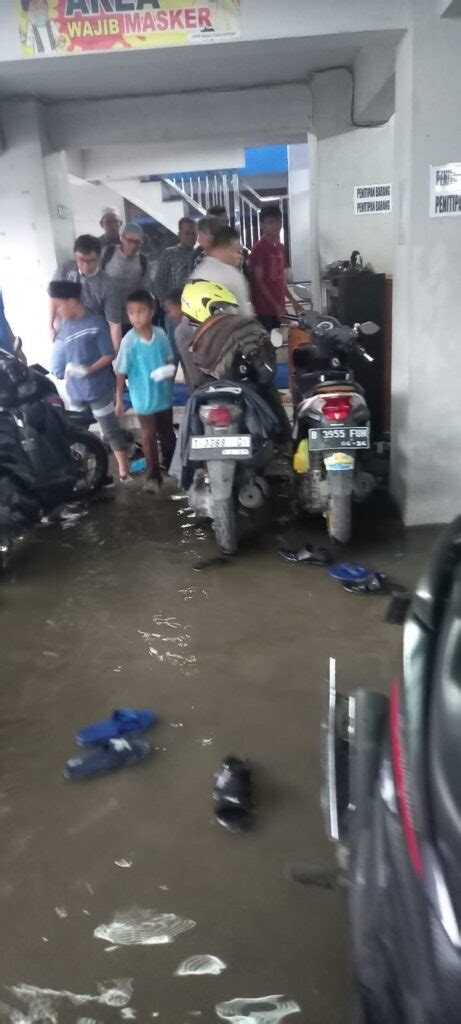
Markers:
146,359
83,353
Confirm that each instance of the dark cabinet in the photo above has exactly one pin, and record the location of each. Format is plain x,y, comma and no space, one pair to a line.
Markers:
353,298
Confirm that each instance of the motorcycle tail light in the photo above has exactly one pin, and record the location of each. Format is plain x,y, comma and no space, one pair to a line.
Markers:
217,415
336,408
411,838
55,400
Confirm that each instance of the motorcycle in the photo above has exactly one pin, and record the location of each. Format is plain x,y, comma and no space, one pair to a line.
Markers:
234,438
331,421
48,456
392,802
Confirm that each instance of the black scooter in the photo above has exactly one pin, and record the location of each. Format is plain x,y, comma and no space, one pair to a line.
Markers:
48,457
392,797
331,421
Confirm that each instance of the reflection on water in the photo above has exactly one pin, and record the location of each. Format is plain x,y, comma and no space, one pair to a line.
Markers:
179,638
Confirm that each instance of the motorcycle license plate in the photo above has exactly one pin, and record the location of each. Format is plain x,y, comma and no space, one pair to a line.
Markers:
202,449
324,438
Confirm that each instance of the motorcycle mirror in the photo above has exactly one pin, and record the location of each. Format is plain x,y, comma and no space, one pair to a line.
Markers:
276,338
369,328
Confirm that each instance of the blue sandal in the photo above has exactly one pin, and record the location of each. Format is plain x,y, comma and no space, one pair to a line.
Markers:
123,722
116,754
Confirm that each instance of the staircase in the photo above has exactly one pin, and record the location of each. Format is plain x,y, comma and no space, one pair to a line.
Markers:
200,191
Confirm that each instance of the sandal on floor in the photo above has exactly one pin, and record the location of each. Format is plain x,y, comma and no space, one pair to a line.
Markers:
116,754
306,556
232,794
123,721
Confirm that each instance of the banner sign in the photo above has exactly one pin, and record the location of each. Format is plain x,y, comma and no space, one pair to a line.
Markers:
445,191
60,27
372,199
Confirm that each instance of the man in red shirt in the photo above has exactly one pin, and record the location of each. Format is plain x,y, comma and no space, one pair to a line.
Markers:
267,268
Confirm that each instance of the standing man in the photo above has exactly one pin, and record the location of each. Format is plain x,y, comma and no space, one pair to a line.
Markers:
111,223
220,213
267,268
127,267
174,269
222,266
206,230
99,292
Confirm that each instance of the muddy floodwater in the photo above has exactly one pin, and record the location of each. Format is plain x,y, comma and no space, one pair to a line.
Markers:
120,897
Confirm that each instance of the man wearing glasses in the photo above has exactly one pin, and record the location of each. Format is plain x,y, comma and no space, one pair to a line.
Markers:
127,267
99,293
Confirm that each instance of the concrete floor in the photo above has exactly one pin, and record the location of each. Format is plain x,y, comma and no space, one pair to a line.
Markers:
112,612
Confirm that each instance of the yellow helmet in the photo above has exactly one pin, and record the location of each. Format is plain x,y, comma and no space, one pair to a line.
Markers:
201,299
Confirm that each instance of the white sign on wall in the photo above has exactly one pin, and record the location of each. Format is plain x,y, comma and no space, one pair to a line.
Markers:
372,199
445,191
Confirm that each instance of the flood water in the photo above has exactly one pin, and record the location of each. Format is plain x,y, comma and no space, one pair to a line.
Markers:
107,887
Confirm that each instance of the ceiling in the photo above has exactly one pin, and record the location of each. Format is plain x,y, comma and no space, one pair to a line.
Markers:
172,70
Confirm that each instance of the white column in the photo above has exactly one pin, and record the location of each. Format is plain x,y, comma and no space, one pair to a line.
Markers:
299,200
426,463
36,227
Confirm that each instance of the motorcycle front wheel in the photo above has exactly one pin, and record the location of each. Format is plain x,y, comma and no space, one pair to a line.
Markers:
90,460
225,525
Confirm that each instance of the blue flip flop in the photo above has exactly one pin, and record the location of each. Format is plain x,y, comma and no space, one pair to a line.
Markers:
350,572
123,722
116,754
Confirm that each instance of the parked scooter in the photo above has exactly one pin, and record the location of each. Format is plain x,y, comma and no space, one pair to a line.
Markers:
237,451
331,421
392,797
48,457
234,423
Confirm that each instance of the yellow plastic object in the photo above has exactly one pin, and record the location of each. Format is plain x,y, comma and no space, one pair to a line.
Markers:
301,457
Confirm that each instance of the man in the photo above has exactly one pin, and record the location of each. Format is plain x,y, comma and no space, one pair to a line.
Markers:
99,292
127,267
177,261
111,224
207,227
267,269
222,266
220,213
175,266
42,33
83,356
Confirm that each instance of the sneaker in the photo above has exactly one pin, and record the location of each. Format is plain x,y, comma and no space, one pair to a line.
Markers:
152,487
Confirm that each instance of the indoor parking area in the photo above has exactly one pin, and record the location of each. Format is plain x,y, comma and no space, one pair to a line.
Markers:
230,589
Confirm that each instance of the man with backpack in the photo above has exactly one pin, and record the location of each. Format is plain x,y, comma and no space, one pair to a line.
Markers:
127,267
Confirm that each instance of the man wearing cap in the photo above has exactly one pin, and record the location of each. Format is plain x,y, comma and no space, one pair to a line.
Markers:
82,355
127,267
111,223
99,293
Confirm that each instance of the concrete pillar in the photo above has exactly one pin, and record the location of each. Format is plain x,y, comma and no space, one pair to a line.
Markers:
426,373
299,197
36,226
348,156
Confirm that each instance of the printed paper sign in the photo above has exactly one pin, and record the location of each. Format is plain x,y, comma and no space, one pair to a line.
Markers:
58,27
445,191
372,199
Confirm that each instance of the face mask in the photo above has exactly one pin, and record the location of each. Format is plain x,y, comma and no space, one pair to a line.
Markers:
40,19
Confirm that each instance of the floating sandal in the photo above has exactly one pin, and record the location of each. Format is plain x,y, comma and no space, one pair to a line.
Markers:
306,556
116,754
350,572
123,722
232,794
